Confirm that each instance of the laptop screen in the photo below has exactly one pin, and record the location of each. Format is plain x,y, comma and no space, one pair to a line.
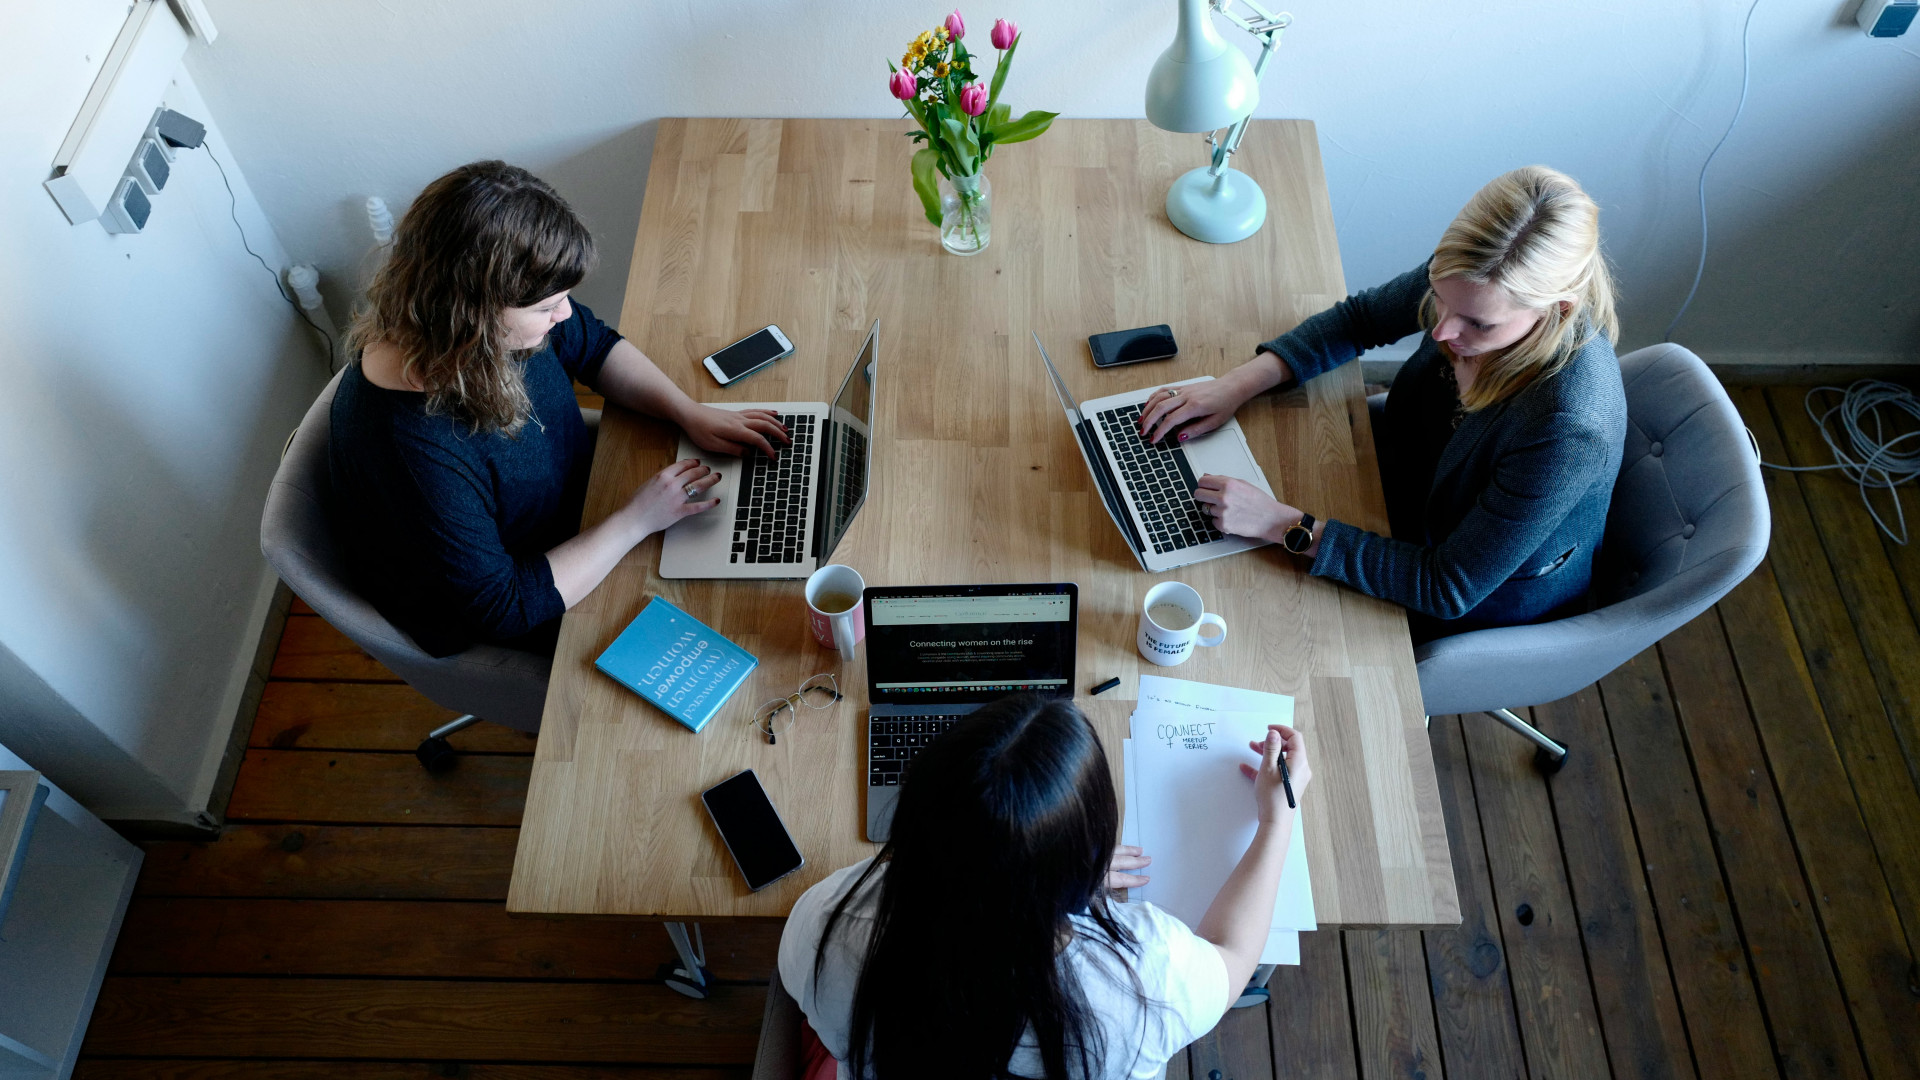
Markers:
848,454
970,643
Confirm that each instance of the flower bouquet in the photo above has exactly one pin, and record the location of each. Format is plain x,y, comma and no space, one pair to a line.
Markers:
961,122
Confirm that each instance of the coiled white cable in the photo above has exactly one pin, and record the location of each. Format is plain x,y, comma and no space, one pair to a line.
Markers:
1877,455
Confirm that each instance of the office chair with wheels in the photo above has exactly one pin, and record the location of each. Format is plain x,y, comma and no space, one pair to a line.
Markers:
503,685
1688,522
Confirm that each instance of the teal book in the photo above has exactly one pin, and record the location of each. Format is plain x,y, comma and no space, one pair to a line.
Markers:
677,662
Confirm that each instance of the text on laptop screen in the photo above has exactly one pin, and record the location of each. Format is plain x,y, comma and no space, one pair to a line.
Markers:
931,648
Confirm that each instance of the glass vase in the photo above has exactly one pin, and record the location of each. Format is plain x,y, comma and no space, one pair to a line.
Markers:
966,213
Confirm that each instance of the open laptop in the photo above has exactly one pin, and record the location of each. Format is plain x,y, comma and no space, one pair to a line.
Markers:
1148,488
938,652
782,518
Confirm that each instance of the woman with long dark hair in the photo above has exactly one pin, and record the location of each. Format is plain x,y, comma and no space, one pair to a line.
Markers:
981,943
458,455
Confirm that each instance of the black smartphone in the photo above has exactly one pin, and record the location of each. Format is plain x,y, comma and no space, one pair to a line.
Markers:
1133,346
754,834
748,355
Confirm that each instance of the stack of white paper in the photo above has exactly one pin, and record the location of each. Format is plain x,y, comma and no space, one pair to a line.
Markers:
1190,808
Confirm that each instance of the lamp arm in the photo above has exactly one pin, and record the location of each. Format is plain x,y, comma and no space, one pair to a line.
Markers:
1270,41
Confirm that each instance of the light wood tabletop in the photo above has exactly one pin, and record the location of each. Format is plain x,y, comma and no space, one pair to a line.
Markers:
813,225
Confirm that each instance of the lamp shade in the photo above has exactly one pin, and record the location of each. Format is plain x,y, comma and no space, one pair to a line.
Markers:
1200,83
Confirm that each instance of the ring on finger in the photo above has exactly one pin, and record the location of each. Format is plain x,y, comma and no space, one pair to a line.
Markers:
689,489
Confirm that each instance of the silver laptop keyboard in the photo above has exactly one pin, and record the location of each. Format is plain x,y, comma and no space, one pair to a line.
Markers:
892,742
770,522
1160,482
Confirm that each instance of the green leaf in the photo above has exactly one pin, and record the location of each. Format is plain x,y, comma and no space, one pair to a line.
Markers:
965,144
1030,126
925,162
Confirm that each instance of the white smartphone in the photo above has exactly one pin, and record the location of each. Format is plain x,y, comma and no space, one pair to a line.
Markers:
748,355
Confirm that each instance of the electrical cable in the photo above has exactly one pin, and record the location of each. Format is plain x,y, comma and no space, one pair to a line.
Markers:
233,210
1746,68
1871,461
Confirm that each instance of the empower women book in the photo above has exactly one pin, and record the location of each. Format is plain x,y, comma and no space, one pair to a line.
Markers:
677,662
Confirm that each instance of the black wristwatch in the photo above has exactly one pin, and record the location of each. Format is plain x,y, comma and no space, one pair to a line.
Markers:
1299,535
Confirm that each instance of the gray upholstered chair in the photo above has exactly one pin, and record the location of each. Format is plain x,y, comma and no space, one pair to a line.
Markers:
1689,521
506,686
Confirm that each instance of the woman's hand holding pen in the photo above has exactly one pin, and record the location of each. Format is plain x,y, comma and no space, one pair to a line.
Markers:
1283,774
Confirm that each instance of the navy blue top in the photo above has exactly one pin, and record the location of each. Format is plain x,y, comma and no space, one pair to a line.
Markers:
1495,523
447,529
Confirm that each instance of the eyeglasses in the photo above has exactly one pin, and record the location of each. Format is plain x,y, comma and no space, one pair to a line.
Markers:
773,717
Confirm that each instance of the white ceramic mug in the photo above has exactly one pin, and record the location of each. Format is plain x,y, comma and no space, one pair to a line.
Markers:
837,629
1169,639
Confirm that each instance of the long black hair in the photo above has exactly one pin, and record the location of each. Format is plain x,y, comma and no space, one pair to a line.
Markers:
1004,830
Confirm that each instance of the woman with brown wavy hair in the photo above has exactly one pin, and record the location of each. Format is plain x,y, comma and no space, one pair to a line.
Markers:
458,454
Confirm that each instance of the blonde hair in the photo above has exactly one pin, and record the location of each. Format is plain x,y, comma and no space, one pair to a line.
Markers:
1536,235
483,238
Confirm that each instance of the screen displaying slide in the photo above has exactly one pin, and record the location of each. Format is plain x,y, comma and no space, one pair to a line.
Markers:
929,648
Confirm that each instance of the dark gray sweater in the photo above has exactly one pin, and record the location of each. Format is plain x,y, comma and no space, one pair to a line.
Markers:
449,529
1495,523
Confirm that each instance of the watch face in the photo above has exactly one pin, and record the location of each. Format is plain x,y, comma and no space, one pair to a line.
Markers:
1298,538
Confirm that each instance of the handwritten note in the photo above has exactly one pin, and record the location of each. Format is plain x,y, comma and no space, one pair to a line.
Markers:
1190,808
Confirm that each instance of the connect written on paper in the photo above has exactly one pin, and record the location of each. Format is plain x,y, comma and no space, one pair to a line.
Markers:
1192,810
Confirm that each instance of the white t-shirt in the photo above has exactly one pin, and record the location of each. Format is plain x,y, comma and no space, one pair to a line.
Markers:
1182,975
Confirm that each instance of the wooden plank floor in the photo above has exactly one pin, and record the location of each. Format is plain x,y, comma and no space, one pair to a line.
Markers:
1724,881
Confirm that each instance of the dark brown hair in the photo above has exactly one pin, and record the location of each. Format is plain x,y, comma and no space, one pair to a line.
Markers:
483,238
1020,795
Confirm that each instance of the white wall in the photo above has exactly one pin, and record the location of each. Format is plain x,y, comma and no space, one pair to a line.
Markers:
149,382
1417,104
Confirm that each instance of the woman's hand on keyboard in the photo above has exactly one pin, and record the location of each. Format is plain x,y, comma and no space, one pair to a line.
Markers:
1193,409
1239,508
726,431
677,491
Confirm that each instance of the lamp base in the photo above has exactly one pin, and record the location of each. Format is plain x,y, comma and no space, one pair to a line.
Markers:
1220,209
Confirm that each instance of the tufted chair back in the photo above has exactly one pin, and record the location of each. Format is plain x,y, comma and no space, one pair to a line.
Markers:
506,686
1688,522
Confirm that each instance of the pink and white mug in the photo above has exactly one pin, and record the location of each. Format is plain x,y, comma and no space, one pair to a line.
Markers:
834,610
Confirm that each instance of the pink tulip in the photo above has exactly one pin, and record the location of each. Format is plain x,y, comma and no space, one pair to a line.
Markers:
1003,34
956,26
973,99
902,86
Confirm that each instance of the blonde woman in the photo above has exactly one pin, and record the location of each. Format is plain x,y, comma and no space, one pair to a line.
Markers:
1502,434
458,456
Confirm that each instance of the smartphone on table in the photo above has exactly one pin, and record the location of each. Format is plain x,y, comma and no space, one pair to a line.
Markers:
749,354
1133,346
754,834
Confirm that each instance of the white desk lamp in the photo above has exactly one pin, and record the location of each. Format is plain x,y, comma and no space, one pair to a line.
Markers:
1202,84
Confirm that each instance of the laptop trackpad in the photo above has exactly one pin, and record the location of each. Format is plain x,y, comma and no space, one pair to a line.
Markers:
707,526
1223,452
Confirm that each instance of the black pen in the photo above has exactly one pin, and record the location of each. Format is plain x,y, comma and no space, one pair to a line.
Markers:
1286,781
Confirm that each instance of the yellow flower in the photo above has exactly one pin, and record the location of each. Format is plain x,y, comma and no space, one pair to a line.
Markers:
940,32
940,69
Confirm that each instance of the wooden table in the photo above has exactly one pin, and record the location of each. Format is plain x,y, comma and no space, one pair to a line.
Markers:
813,224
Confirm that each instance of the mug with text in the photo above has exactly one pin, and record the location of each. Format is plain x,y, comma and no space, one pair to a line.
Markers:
834,610
1171,621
